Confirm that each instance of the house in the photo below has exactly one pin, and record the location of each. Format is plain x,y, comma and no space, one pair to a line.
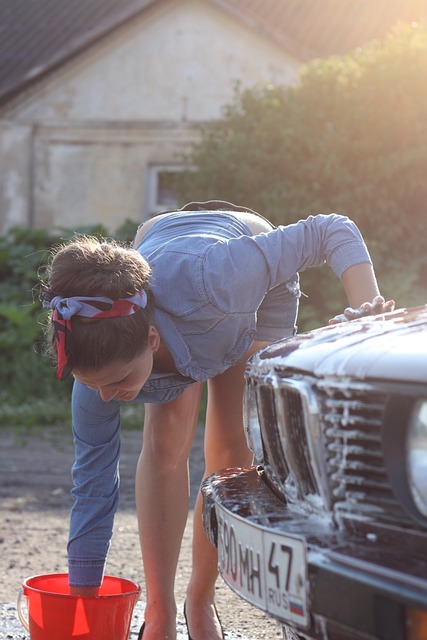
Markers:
100,99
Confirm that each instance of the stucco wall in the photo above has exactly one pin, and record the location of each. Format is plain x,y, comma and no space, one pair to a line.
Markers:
85,137
15,175
91,175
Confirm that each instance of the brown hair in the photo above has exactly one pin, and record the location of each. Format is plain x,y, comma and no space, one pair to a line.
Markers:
88,266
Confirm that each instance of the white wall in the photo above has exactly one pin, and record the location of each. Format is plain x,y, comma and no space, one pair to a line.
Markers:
15,175
98,175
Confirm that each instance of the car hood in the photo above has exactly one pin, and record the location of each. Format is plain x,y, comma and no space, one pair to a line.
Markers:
391,347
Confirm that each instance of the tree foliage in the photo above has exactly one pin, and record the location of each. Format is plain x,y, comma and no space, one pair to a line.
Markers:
350,137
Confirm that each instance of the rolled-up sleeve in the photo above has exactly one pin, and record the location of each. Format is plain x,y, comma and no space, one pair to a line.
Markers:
96,431
256,264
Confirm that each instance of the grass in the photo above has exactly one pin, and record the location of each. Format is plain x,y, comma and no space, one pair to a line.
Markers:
45,417
51,417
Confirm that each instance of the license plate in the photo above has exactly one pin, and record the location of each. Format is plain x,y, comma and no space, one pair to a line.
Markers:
266,569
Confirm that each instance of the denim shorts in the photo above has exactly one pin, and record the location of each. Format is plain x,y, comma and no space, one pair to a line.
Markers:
273,323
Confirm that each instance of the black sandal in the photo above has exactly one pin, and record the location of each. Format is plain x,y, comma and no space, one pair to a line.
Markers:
220,624
186,623
188,630
141,631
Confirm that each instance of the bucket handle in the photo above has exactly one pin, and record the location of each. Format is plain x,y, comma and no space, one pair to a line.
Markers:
20,613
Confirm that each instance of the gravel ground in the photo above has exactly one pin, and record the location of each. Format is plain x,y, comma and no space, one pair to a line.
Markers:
35,502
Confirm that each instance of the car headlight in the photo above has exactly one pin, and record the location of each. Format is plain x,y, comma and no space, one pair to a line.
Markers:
405,453
417,456
251,422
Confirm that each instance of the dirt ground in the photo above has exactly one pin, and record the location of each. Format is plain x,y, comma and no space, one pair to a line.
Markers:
34,496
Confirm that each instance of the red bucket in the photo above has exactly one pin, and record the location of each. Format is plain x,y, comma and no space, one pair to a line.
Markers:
53,613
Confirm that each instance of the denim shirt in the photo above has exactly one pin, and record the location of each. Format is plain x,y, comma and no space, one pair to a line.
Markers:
209,276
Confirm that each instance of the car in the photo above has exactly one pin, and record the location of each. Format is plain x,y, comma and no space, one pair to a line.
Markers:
327,530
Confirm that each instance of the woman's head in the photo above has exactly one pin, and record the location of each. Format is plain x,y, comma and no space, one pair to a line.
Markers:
95,268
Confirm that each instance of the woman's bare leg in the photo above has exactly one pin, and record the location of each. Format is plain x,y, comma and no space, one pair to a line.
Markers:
225,446
162,497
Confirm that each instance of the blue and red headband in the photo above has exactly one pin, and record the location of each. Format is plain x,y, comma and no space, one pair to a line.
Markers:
86,307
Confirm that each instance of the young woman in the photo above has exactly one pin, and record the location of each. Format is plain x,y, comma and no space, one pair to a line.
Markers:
202,289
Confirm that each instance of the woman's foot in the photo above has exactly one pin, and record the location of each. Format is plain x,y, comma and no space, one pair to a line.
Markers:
157,631
205,623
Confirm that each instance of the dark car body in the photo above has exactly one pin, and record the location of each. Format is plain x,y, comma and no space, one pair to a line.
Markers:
327,531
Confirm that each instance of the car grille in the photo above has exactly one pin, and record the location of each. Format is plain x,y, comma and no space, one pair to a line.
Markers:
351,420
274,458
349,458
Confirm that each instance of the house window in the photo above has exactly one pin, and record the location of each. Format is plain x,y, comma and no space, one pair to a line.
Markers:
161,194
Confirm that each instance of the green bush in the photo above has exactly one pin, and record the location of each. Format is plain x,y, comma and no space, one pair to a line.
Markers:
29,389
351,138
24,375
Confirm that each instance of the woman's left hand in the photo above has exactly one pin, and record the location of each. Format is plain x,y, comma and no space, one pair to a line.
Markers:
377,306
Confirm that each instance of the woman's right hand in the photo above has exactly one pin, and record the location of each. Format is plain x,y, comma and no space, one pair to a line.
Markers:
377,306
84,592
